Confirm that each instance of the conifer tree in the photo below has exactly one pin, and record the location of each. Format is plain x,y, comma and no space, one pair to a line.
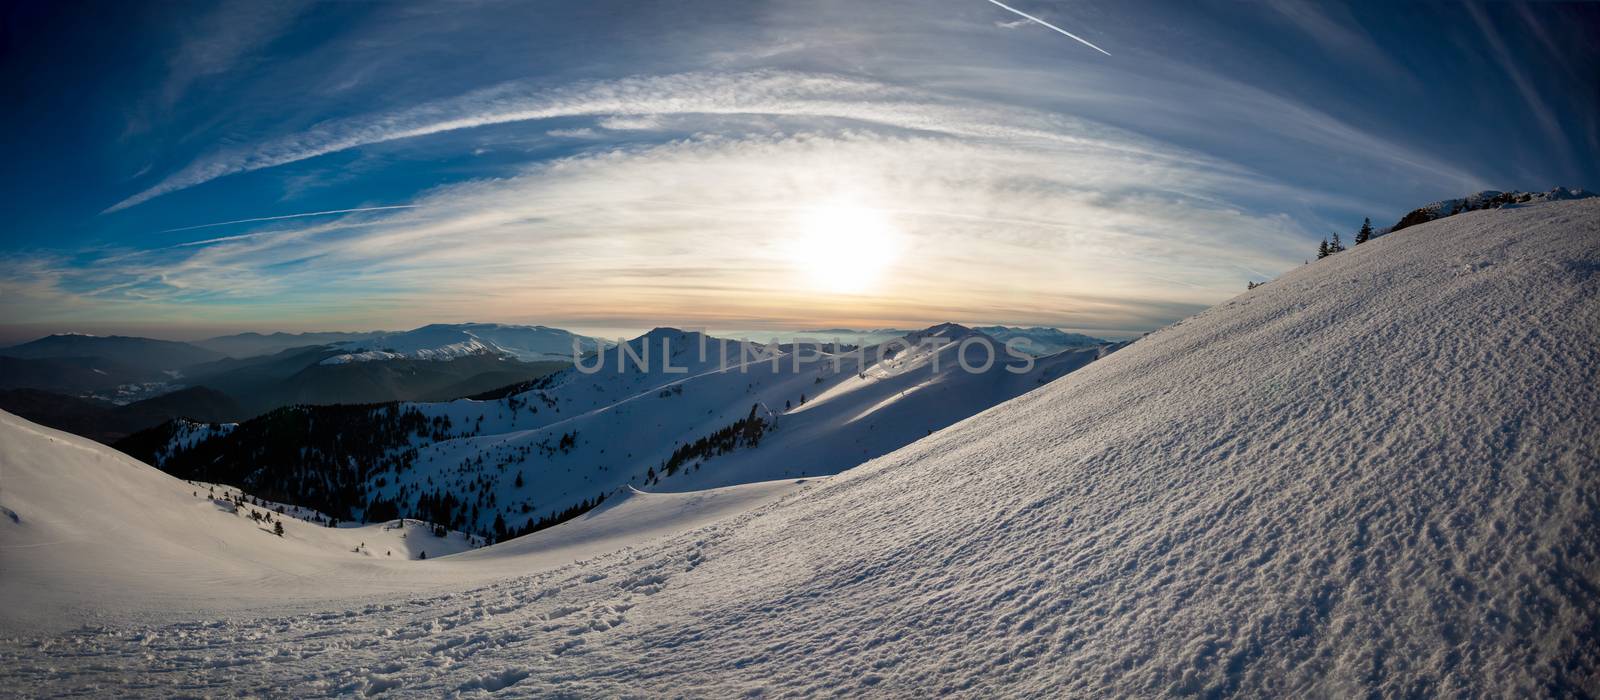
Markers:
1365,234
1322,250
1335,246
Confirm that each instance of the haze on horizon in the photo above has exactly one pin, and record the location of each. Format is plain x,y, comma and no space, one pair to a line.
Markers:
218,167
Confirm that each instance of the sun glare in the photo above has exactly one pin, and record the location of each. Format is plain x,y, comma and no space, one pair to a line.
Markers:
843,248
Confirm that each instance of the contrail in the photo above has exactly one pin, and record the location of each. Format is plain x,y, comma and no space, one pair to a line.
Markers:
292,216
1025,15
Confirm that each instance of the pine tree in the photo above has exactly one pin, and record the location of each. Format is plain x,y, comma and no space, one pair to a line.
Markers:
1335,246
1365,234
1322,250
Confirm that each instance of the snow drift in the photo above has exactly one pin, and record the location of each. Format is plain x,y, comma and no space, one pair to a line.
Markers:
1377,474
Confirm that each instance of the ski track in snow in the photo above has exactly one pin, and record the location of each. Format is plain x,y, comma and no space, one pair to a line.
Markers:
1374,475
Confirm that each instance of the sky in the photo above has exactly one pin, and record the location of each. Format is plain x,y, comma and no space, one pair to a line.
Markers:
185,169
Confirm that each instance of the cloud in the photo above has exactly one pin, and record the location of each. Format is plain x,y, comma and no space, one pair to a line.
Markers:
1530,94
288,216
1078,226
1341,37
579,133
779,93
647,122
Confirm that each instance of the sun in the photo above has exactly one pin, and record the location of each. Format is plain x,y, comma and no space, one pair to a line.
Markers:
843,248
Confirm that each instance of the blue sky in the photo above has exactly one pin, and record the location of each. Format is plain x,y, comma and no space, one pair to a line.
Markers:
612,166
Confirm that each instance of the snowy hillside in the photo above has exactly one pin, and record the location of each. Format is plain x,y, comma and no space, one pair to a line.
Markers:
90,536
1374,476
450,341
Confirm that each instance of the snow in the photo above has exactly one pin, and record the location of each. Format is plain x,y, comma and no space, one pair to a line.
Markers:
81,523
452,341
1375,475
187,433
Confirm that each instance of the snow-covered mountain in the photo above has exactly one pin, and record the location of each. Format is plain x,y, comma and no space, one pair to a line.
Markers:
674,410
1375,475
451,341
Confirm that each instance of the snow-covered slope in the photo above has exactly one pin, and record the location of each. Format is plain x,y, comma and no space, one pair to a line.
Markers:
449,341
90,536
1375,475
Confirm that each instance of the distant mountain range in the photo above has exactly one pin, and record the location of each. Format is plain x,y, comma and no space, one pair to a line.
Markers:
107,387
450,341
140,354
700,412
244,345
1040,341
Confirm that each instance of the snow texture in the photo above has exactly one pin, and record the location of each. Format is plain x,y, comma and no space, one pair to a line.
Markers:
1376,475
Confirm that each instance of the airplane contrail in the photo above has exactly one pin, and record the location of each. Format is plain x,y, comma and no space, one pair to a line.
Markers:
1025,15
292,216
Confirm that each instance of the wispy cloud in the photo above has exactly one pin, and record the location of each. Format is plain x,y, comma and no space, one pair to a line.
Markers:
281,217
1525,87
781,93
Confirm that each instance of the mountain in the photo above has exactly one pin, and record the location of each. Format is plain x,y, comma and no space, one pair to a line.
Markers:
671,410
141,354
850,336
71,375
1487,199
1363,478
245,345
1040,341
107,401
107,422
450,341
305,376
